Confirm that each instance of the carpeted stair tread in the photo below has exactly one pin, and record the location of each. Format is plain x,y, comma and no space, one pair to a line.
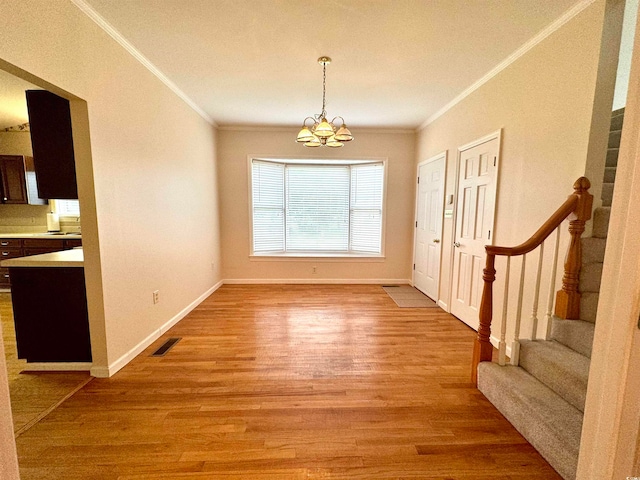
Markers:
575,334
560,368
549,423
589,306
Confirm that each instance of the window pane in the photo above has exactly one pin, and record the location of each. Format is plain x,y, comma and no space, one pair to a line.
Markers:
317,213
268,206
366,208
68,208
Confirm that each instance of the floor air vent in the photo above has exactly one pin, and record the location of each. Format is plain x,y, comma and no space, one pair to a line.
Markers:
165,347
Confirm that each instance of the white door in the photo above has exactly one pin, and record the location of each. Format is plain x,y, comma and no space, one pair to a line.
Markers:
428,238
475,208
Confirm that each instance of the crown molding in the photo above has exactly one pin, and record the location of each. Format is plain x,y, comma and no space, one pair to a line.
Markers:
273,128
530,44
110,30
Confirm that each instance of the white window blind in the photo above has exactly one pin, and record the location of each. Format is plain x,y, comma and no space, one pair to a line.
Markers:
67,208
317,208
366,208
268,207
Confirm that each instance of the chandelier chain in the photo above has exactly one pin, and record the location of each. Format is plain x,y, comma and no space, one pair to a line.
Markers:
324,88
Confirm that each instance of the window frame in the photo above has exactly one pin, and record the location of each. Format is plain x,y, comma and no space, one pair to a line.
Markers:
321,256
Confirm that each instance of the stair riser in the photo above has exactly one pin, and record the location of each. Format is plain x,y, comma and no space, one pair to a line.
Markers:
590,277
607,194
601,222
575,334
588,307
561,369
550,424
612,157
593,250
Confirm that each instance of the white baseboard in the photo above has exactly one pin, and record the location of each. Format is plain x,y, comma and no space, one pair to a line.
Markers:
57,367
318,281
105,372
443,306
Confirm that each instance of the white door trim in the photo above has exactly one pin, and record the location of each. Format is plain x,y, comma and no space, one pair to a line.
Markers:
452,237
440,156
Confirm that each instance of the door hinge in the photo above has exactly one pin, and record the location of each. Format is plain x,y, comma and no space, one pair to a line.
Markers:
418,179
495,159
416,224
414,266
489,234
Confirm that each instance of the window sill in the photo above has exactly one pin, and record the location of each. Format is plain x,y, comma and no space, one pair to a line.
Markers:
321,257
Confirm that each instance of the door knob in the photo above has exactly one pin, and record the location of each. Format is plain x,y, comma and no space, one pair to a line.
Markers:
456,244
436,240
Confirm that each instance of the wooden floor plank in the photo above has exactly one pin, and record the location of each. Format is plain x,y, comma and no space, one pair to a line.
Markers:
289,382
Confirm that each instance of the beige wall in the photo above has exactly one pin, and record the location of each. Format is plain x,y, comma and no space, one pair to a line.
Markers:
15,143
147,184
234,148
543,104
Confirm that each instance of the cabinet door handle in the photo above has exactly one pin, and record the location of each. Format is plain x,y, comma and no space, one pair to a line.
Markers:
4,244
4,254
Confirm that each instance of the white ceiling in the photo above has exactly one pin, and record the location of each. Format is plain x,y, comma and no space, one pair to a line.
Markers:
395,62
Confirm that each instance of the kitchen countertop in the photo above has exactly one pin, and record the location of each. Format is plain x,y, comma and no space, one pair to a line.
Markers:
65,258
59,236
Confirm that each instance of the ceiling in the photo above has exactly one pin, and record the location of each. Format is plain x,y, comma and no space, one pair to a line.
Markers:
395,62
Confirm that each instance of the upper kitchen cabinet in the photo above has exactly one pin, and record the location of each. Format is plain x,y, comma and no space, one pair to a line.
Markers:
17,180
52,143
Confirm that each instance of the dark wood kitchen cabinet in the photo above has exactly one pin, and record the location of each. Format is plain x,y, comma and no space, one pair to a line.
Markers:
17,176
24,247
50,314
52,143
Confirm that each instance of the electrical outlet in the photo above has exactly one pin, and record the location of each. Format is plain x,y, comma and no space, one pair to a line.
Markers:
314,270
156,296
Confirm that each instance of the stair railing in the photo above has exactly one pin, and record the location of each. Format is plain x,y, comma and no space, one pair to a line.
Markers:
567,301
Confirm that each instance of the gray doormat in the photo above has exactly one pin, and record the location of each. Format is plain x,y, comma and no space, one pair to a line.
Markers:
408,297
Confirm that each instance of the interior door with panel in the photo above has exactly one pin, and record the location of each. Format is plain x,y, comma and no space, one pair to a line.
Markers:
428,238
475,211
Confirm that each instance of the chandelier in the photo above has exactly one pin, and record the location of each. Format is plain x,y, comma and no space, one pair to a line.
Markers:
322,133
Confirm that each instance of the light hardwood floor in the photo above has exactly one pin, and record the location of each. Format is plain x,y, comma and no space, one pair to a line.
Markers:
32,394
289,382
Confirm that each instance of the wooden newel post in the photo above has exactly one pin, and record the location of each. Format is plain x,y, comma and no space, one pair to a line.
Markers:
482,349
568,299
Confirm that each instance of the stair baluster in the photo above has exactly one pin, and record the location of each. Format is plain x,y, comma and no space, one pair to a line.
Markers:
502,348
552,286
578,206
536,296
515,344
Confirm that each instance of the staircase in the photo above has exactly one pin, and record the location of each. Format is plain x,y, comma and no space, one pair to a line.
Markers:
544,396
